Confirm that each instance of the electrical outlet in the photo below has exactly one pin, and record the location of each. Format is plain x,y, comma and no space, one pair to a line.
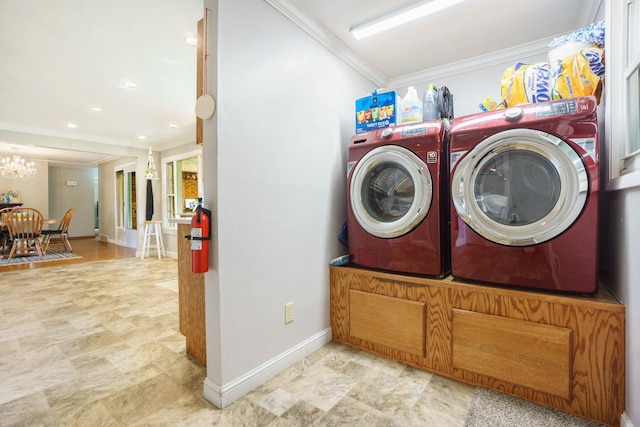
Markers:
288,312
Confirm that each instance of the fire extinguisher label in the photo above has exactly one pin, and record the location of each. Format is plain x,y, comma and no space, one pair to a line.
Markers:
196,245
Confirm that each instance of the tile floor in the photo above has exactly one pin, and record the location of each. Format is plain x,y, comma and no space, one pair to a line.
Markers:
97,344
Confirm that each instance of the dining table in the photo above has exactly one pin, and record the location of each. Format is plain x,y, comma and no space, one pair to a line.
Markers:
46,221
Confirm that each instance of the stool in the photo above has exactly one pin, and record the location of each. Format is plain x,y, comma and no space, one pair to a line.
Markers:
152,228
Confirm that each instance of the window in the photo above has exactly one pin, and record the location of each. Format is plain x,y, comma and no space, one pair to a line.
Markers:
126,205
182,186
623,91
120,198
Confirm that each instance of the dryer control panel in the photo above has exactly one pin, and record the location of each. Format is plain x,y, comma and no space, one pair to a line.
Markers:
560,108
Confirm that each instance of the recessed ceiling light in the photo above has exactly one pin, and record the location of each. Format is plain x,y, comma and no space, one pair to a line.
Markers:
97,109
191,40
130,84
173,126
72,125
142,137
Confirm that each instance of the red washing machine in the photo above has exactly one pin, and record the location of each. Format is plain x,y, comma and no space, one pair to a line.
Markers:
524,193
398,203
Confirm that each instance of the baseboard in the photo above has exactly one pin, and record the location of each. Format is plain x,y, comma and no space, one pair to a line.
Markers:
625,421
222,396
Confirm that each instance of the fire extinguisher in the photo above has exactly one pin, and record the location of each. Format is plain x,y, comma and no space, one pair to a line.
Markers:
199,237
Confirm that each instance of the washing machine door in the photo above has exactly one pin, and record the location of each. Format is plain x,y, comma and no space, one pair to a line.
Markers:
520,187
390,191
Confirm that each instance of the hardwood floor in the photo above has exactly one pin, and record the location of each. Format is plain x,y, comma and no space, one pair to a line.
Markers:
88,248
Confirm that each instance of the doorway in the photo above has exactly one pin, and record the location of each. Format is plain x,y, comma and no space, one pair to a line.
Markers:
126,206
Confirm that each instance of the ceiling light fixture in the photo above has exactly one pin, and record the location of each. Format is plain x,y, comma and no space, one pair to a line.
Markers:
173,126
142,137
16,167
399,17
72,125
191,40
96,109
130,84
150,171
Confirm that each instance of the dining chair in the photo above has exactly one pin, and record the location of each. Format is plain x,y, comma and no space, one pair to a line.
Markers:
61,233
25,230
4,230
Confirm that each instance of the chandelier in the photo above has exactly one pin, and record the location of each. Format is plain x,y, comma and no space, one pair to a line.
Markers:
150,171
16,167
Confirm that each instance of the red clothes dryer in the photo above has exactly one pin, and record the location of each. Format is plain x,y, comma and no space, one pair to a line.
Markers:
524,192
398,203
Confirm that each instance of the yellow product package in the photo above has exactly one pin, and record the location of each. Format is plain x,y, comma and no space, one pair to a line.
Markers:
523,84
507,79
580,74
489,104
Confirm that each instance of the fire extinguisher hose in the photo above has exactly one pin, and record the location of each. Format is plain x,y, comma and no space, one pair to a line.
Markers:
190,237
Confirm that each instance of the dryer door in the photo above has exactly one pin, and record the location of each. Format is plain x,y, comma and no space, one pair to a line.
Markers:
520,187
390,191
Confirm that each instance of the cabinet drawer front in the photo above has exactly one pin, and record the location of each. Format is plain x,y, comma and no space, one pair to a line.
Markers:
529,354
394,322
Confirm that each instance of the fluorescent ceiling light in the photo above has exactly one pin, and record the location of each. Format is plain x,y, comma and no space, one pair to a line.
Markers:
399,17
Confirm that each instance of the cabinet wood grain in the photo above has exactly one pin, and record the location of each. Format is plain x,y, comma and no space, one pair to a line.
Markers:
521,352
393,322
558,350
190,300
200,78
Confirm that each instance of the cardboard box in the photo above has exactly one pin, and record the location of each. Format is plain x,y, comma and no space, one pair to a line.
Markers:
380,110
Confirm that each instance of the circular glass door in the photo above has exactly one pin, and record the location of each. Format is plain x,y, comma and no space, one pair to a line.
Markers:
390,191
520,187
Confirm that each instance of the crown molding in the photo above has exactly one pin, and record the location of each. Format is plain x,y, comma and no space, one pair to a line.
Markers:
506,56
308,23
299,16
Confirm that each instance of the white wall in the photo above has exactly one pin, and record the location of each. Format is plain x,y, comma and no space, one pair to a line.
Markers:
470,88
106,196
285,115
620,272
81,197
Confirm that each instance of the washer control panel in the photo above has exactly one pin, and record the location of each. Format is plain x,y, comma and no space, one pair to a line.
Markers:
415,130
556,108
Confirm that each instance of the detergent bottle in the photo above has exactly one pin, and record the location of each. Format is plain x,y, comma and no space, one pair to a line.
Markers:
430,108
411,107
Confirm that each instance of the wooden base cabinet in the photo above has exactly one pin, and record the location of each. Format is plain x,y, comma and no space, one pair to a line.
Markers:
190,299
558,350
